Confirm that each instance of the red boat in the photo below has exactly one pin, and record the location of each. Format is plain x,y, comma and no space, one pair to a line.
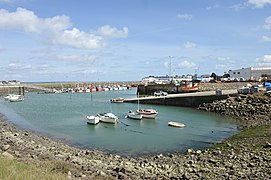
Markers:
189,87
99,88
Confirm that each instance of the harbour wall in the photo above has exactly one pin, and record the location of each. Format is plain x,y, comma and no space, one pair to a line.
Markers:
187,101
12,90
150,89
172,89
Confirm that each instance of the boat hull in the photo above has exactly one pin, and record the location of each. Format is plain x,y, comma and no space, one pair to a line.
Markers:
16,98
148,113
176,124
108,120
93,120
117,100
150,116
136,116
189,89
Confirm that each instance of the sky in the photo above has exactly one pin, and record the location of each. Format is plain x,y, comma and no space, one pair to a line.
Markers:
120,40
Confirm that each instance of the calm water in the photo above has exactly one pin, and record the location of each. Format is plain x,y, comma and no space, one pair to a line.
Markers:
64,116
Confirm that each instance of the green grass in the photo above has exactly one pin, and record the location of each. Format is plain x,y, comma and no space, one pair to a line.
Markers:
256,136
260,131
12,169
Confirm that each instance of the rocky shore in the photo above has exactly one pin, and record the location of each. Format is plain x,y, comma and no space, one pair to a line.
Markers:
251,110
245,156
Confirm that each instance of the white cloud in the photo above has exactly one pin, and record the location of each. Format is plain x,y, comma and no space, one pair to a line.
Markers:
112,32
187,64
220,58
266,39
58,30
189,45
259,3
17,66
267,23
78,39
77,58
220,66
27,21
238,7
45,69
185,16
223,58
212,7
264,61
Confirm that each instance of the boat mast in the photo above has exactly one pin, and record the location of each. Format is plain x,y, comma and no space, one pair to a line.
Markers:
138,100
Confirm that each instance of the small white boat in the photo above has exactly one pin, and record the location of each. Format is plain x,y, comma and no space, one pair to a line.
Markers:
176,124
117,100
93,119
106,89
115,88
14,97
134,115
148,113
108,117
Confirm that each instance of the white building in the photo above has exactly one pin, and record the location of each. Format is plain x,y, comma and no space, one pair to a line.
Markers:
166,79
251,73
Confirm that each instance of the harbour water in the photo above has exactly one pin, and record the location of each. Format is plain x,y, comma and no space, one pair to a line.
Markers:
63,116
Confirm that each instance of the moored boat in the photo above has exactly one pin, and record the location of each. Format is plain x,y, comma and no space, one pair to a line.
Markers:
93,119
117,100
99,88
134,115
108,117
14,98
189,87
176,124
148,113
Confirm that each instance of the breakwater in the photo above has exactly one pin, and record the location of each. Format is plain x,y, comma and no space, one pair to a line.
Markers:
185,99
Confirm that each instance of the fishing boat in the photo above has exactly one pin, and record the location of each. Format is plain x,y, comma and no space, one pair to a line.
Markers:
148,113
117,100
189,87
176,124
108,117
93,119
134,115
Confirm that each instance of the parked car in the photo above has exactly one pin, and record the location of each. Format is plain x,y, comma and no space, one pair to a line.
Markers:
160,93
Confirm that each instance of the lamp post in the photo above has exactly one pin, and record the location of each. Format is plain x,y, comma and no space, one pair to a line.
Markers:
170,67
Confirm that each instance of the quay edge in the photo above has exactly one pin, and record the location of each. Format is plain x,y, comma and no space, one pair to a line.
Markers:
184,101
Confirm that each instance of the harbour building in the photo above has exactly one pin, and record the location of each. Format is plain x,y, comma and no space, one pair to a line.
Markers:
251,73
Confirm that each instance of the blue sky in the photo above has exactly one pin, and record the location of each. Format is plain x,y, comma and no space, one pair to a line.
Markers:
120,40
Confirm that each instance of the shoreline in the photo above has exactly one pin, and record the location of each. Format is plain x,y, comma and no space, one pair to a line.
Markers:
247,157
213,162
